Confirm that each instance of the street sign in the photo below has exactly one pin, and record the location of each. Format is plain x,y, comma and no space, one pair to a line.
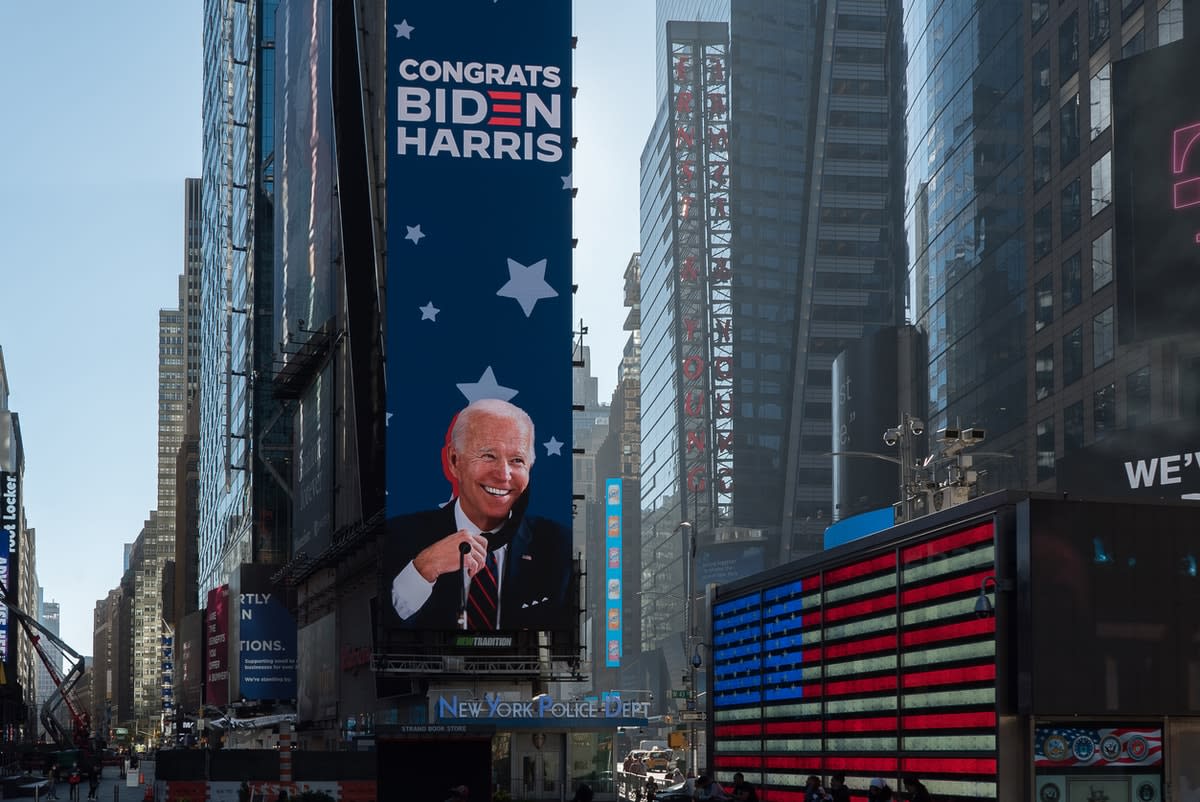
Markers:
693,715
679,693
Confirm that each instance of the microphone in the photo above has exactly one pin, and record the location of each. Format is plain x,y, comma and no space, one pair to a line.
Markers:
464,549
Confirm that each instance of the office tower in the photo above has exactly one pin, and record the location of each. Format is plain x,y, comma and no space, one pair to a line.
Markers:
244,509
48,615
771,217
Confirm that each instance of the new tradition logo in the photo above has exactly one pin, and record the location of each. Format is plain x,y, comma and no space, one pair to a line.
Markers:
435,95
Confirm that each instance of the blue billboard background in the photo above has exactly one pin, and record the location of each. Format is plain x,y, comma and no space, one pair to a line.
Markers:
613,560
479,235
266,648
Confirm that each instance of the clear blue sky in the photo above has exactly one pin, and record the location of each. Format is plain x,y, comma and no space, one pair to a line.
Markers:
102,124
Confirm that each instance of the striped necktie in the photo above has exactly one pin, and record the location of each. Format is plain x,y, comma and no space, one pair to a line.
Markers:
482,598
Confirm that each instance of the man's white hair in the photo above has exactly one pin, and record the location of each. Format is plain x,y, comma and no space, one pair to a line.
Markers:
496,408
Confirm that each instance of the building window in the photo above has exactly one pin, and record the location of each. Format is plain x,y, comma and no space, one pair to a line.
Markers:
1136,44
1068,131
1070,210
1137,398
1072,281
1128,7
1045,449
1041,77
1102,260
1073,356
1104,411
1073,427
1098,24
1102,184
1043,300
1102,338
1041,157
1068,47
1044,373
1100,101
1170,22
1042,231
1038,11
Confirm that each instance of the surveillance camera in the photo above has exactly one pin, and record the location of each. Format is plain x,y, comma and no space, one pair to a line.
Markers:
891,437
917,426
949,434
973,435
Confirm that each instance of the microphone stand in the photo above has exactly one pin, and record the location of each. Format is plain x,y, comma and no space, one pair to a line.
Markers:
463,550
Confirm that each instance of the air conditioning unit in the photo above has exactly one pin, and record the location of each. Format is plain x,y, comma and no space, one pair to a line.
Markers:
946,497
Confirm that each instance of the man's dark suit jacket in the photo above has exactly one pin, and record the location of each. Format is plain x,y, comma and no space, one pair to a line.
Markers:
533,591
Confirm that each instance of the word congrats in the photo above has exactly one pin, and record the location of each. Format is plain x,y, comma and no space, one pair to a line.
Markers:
439,113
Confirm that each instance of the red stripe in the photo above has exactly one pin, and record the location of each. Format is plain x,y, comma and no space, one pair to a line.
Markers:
884,683
810,619
949,721
963,629
861,569
950,676
737,729
780,795
810,584
506,108
504,121
738,762
877,724
948,587
793,727
807,763
863,607
950,765
881,643
871,765
811,655
941,545
496,94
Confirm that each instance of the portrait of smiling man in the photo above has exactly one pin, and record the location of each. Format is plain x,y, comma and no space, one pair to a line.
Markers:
480,562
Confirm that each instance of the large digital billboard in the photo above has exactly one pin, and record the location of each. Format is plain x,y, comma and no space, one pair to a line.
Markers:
613,565
216,647
1156,171
479,338
266,638
10,523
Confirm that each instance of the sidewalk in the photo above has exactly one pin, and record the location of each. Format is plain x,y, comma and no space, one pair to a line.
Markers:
112,787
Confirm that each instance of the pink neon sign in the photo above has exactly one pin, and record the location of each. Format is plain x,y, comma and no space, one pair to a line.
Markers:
1187,191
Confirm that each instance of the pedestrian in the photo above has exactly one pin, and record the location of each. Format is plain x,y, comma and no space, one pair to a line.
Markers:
93,777
651,789
838,792
742,790
916,790
814,791
879,791
283,795
73,779
583,793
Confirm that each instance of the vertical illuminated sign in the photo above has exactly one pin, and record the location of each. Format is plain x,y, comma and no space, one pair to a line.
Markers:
10,519
702,228
479,298
216,647
613,560
1156,190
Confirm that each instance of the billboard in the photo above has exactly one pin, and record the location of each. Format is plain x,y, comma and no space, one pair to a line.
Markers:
1150,462
613,562
1156,172
216,647
10,523
266,638
479,317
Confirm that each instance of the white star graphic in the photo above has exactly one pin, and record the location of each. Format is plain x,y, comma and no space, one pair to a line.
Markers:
486,387
403,29
527,284
414,234
429,312
388,420
568,181
553,446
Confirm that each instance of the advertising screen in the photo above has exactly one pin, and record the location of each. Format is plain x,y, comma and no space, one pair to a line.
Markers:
266,646
479,492
1156,190
875,667
613,563
10,521
216,647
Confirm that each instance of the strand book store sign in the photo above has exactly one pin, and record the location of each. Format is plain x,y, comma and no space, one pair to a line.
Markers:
479,318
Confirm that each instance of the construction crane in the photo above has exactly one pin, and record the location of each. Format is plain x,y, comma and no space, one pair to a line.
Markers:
79,737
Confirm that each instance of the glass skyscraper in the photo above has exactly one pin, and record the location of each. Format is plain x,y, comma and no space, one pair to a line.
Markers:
244,512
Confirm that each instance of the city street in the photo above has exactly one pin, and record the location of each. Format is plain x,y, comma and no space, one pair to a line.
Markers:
113,788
